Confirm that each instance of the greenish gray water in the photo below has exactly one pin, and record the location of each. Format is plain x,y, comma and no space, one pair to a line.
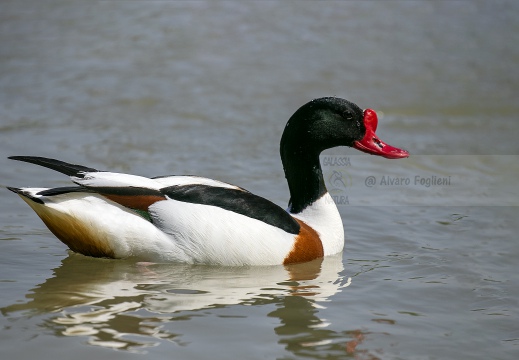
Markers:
167,87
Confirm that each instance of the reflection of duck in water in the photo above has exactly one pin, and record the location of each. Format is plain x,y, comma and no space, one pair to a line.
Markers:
168,288
98,302
337,181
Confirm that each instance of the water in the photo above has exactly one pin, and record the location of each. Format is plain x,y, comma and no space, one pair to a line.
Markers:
155,88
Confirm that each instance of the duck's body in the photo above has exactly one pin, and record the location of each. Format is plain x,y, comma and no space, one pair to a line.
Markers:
197,220
182,219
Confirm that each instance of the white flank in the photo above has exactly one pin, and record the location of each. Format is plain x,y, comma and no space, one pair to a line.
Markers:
212,235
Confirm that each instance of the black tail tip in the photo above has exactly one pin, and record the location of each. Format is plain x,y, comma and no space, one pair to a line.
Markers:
13,189
25,194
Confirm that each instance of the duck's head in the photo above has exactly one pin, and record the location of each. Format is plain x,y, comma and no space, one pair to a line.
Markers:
329,122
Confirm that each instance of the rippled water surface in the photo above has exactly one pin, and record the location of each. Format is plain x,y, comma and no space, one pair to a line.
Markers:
430,265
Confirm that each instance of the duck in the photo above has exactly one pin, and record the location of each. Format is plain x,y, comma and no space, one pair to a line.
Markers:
197,220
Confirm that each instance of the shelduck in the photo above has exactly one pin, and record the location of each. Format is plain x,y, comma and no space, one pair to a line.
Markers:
203,221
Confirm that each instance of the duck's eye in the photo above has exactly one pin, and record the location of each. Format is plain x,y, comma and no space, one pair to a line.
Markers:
348,115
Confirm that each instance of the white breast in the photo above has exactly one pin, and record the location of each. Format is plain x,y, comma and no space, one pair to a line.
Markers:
324,217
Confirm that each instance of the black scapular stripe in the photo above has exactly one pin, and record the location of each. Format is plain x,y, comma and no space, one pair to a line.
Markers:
63,190
238,201
106,190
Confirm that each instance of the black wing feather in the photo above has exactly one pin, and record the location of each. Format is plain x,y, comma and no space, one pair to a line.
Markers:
61,166
238,201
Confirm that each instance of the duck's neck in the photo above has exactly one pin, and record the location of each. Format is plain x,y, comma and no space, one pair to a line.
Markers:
303,173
